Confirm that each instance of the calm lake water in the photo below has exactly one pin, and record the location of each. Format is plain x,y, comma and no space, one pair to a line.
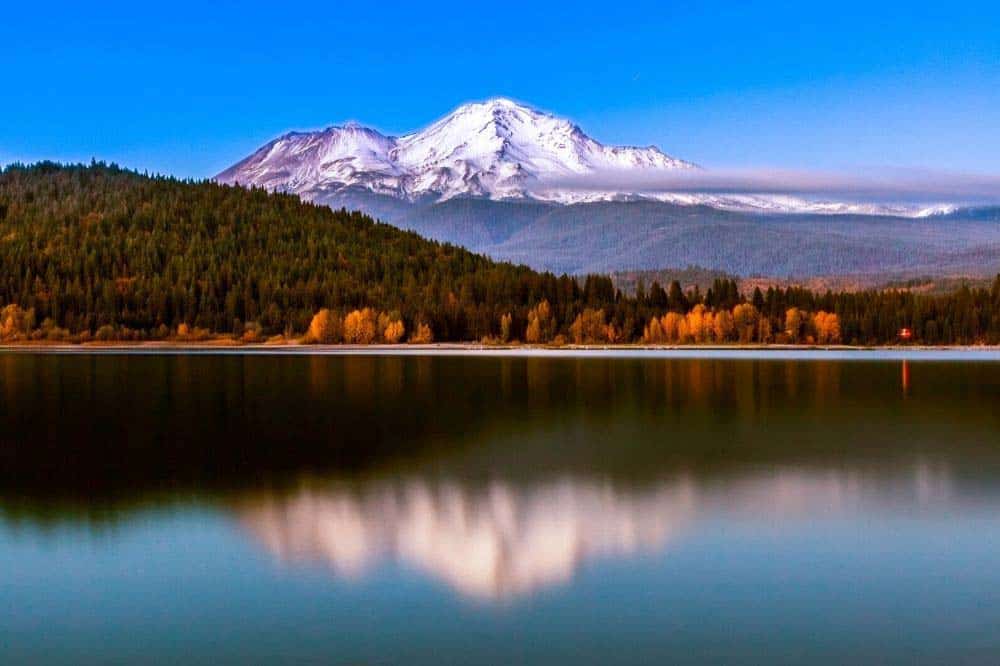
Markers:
435,509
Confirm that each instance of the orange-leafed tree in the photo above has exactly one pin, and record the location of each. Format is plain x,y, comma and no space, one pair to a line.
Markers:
723,326
360,327
827,326
699,323
589,327
422,335
671,323
541,325
652,334
394,331
15,322
325,328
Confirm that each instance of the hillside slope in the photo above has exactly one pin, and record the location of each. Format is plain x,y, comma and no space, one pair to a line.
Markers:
87,247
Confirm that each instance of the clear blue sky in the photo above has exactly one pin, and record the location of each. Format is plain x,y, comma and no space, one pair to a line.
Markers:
189,88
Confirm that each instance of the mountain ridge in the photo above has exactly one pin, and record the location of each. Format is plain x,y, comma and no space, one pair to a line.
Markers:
501,150
489,176
498,149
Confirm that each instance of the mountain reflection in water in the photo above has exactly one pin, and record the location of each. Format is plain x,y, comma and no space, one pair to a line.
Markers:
386,509
498,541
505,540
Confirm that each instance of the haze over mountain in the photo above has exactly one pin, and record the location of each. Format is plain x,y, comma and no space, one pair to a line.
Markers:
520,184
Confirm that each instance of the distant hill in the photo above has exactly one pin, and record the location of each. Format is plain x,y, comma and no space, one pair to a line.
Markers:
612,236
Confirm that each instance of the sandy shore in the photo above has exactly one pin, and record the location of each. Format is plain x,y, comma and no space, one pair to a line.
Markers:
472,349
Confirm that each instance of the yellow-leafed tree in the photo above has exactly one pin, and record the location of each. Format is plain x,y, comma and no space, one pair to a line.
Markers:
505,323
827,326
745,321
589,327
359,327
652,334
795,322
541,326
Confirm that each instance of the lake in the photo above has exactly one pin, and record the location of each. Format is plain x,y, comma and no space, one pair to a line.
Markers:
630,508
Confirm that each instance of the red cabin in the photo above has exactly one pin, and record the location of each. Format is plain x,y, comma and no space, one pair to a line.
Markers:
905,334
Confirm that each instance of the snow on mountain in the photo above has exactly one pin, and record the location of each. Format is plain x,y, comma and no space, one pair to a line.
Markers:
497,149
300,161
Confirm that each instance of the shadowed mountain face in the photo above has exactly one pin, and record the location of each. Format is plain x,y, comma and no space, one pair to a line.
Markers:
630,235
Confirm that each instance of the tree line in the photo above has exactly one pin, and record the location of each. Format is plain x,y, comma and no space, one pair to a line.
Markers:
100,252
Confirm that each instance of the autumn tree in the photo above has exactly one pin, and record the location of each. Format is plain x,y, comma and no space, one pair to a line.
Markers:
652,334
699,323
422,335
795,322
541,326
360,327
505,324
723,326
589,327
325,328
674,328
765,331
612,333
827,326
394,331
16,323
745,318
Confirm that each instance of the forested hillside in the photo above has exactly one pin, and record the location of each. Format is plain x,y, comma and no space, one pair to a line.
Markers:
100,252
100,246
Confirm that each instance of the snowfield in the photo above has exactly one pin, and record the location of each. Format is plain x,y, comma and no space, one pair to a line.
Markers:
498,150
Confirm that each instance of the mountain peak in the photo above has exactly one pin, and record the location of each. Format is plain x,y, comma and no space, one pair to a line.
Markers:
497,148
495,104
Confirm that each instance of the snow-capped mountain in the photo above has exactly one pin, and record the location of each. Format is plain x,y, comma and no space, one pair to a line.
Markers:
502,151
525,186
497,149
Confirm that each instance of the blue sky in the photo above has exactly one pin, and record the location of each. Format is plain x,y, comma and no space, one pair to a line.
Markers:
190,88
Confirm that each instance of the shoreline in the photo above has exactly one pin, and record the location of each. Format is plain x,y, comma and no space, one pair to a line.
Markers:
802,352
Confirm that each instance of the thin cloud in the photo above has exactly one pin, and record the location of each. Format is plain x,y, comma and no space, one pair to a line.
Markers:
898,185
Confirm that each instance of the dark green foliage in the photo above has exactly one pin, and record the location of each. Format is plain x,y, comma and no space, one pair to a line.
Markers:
628,281
98,245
